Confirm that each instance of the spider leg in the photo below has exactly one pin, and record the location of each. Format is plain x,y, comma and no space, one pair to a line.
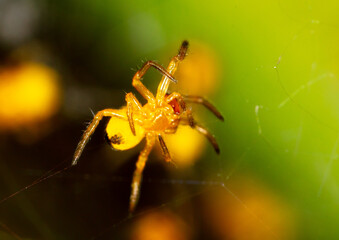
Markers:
172,67
206,133
205,103
190,118
182,104
209,136
132,104
136,82
164,149
137,176
90,130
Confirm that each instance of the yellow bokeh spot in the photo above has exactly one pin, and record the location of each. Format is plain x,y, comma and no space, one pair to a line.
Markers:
160,225
29,94
198,74
120,134
185,146
259,215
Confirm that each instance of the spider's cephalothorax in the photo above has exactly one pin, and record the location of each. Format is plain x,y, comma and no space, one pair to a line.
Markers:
161,115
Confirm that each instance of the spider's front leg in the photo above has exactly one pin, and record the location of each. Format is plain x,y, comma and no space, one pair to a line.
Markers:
91,128
137,176
172,67
136,82
205,103
209,137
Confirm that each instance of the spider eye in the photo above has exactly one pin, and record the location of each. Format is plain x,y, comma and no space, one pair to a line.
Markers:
119,134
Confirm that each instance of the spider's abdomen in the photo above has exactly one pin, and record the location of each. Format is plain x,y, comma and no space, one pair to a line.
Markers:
119,134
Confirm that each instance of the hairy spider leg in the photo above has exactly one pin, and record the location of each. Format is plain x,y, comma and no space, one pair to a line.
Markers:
205,103
140,87
209,136
91,128
132,105
164,149
172,67
204,132
140,165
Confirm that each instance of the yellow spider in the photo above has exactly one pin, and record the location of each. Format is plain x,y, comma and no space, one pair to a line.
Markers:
161,114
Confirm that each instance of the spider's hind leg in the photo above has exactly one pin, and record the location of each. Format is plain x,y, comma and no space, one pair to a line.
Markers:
137,176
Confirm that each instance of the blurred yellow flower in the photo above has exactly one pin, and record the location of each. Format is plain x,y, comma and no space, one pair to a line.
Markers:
199,73
160,225
29,94
254,213
185,146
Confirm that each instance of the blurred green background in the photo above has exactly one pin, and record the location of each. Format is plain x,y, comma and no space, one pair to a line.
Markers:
276,86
